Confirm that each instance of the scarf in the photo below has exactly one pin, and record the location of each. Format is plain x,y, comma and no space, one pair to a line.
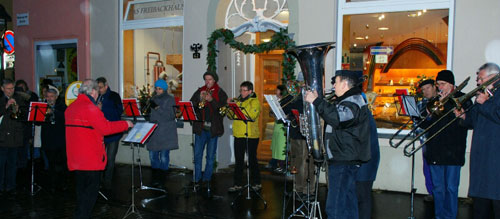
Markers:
214,91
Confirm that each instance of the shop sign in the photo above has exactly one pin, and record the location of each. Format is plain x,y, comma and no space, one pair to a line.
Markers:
172,8
381,50
382,59
23,19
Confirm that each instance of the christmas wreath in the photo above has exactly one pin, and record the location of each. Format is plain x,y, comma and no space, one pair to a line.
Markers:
279,40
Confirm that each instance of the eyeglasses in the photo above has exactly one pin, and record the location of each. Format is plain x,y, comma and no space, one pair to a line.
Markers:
241,90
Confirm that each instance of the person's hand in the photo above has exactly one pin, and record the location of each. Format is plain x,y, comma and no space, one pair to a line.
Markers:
203,94
482,97
130,124
459,113
311,96
10,102
99,105
208,97
443,94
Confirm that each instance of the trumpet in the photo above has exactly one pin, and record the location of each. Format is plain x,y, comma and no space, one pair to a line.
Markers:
224,110
203,102
15,111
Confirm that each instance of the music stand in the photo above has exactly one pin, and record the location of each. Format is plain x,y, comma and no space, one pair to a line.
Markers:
37,112
136,137
187,114
131,108
408,107
237,114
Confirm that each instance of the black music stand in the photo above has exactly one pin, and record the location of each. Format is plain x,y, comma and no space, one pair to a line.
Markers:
408,107
37,112
239,113
131,109
136,137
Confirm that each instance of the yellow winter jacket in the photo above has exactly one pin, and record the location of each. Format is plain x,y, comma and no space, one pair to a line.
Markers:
252,109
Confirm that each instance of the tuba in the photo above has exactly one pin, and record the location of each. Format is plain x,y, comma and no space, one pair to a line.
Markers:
311,60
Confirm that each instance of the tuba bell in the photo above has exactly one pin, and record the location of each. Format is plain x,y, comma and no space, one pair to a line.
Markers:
311,58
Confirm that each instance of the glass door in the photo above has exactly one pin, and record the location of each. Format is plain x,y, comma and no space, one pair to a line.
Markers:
267,77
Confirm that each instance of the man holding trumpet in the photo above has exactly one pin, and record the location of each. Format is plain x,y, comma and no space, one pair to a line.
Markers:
484,118
207,101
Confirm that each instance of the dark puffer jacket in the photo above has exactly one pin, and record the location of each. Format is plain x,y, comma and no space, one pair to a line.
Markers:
347,135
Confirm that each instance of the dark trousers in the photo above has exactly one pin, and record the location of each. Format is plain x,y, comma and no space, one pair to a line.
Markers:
304,164
341,201
111,150
486,208
8,168
364,195
57,167
87,189
240,145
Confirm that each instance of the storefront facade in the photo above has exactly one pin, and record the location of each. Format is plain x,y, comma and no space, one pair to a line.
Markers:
113,44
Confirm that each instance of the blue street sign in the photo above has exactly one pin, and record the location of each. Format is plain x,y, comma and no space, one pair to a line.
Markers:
381,50
8,42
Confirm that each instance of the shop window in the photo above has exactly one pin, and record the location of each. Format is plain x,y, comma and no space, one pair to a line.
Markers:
150,54
56,61
394,50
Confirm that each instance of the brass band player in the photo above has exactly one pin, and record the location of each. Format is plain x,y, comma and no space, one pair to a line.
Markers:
11,135
484,118
347,142
445,153
207,101
301,161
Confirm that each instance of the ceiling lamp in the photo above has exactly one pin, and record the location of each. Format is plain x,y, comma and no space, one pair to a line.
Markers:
383,28
360,38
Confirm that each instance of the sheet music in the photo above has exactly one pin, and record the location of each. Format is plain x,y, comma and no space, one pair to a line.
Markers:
140,133
410,105
274,103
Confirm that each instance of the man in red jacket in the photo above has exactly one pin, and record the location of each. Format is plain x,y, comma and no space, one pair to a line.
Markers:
86,127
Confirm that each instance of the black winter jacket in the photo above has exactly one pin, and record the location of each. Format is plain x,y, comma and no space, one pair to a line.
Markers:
212,109
448,147
347,134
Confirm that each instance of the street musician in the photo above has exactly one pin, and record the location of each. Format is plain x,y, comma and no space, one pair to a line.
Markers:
207,101
445,153
484,118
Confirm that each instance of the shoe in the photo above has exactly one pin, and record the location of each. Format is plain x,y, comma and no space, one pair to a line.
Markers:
279,170
257,187
234,188
268,167
428,198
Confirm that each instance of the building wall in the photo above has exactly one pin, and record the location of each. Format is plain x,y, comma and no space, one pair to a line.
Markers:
104,42
51,20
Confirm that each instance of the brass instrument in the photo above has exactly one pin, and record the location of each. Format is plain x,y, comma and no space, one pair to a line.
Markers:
224,110
458,102
436,106
203,102
311,59
16,113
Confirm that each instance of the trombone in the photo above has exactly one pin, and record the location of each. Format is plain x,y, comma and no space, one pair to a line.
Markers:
435,105
458,102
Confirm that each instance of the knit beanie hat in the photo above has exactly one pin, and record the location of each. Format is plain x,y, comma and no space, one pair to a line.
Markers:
446,75
161,84
216,78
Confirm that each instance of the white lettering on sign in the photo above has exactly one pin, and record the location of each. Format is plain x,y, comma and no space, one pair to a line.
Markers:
382,59
171,8
23,19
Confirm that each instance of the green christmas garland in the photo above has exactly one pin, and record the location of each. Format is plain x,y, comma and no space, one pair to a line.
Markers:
279,40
